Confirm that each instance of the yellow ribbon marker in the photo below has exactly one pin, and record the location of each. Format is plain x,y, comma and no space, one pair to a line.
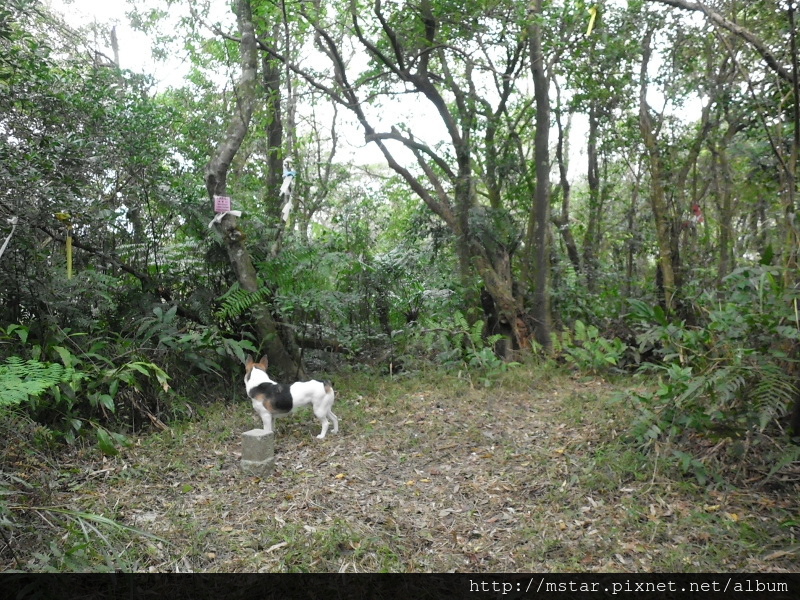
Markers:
69,251
593,13
65,218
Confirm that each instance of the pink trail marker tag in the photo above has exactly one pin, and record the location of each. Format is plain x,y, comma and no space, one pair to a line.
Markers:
222,204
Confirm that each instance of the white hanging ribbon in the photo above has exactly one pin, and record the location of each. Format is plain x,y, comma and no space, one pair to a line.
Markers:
288,178
13,221
286,189
220,216
286,210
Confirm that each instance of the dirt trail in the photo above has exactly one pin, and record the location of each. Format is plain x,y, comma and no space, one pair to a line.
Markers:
416,480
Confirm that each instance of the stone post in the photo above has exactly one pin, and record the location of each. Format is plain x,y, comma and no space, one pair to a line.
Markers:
258,452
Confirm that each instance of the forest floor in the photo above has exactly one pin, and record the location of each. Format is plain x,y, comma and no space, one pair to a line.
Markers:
427,473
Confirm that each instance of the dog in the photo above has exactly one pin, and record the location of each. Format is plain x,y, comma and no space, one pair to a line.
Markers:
272,399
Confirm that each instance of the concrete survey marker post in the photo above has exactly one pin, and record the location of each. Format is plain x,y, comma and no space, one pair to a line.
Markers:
258,452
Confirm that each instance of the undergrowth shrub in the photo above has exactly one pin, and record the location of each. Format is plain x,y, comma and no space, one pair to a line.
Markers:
39,532
81,386
456,345
590,351
732,375
185,347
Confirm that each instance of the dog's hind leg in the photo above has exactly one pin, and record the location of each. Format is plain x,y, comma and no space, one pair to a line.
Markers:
328,404
335,420
322,413
325,425
322,410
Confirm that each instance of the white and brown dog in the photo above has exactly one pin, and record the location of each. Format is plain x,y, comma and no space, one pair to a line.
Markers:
272,399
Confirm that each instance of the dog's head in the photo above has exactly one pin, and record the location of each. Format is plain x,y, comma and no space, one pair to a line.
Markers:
255,372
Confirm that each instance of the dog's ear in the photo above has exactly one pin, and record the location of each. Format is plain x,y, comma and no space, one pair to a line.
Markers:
248,362
264,362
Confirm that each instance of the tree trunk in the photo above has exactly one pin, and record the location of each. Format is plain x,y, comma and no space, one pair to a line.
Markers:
216,183
540,211
792,260
503,309
271,78
219,165
282,363
590,239
658,199
562,221
724,193
632,244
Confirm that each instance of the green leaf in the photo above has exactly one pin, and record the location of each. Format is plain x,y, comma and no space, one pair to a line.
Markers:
66,356
105,442
660,316
108,402
20,330
139,366
767,256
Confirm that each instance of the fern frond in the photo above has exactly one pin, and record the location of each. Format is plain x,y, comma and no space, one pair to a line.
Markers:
22,379
771,394
236,301
787,457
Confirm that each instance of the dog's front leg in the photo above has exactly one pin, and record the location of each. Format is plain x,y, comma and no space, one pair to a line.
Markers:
266,416
266,421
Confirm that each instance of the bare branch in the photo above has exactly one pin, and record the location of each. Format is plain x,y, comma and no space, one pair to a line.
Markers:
390,33
413,145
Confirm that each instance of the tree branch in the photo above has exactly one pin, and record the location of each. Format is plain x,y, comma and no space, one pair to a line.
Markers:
217,168
716,18
412,144
390,33
373,49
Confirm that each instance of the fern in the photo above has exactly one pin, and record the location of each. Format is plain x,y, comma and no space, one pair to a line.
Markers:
787,457
22,379
754,391
591,351
236,301
772,393
301,269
